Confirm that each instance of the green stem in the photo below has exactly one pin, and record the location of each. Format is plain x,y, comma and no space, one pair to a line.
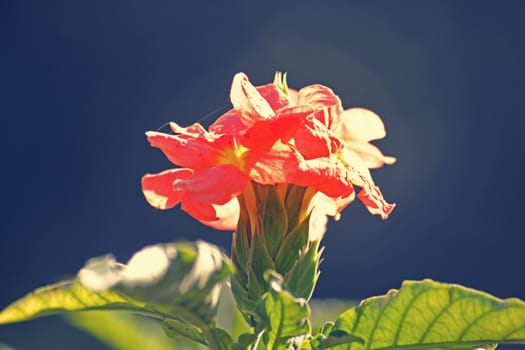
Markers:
257,340
211,340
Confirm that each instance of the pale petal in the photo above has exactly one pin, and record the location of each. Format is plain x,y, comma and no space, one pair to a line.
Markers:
369,154
323,99
373,199
248,101
370,194
228,215
361,124
274,96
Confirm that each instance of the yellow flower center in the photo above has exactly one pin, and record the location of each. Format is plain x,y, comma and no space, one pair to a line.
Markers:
234,155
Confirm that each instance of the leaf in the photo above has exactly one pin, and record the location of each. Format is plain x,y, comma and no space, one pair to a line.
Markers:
274,220
432,315
178,283
223,338
284,316
292,246
63,297
302,278
173,327
122,331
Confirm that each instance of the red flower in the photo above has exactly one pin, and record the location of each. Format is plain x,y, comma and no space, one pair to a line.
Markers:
272,135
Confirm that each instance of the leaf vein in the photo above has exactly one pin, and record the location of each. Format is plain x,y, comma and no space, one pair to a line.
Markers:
415,296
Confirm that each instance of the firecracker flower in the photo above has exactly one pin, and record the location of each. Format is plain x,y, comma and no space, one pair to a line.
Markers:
272,135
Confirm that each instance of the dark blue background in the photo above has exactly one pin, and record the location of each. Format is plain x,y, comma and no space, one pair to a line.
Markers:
83,81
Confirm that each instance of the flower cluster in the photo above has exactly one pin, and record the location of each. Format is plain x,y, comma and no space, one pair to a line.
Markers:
272,135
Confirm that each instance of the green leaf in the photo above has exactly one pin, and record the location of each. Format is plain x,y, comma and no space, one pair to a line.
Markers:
122,331
283,315
63,297
292,246
292,202
302,278
432,315
174,327
274,220
223,338
178,283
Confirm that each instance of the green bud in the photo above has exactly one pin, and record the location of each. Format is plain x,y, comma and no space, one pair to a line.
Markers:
273,235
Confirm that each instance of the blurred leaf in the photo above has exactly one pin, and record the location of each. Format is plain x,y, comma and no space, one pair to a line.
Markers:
229,317
283,315
327,309
178,283
122,331
224,339
432,315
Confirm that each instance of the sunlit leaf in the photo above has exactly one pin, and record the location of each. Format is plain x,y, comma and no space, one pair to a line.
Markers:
178,283
284,316
123,331
63,297
432,315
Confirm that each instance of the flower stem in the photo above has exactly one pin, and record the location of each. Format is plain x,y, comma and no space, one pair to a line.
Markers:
211,340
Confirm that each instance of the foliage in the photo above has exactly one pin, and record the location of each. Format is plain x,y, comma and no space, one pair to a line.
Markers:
272,168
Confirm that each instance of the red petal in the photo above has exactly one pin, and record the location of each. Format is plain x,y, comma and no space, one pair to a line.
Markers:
375,203
263,134
195,153
321,97
201,211
228,123
313,139
158,188
370,194
248,101
324,175
215,185
227,214
274,96
272,166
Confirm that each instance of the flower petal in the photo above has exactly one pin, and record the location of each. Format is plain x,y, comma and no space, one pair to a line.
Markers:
158,188
227,214
272,166
195,153
361,124
314,140
370,154
248,101
274,96
323,99
265,133
373,199
370,195
325,175
216,185
230,123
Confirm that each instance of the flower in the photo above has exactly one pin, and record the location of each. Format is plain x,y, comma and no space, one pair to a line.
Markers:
272,135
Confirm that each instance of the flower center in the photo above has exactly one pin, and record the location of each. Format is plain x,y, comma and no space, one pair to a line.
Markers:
234,155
